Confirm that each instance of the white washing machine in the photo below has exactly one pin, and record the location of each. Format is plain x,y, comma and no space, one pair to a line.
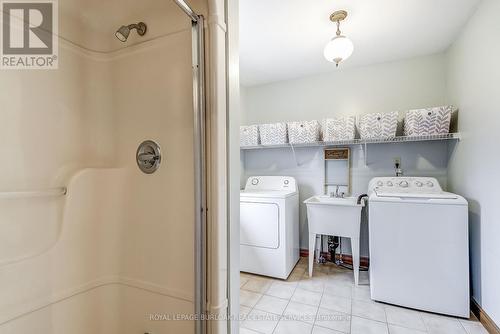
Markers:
419,254
269,226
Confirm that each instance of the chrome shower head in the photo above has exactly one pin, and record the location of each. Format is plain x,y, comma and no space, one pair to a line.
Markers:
123,32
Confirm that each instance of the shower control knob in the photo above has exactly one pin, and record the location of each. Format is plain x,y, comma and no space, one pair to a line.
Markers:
419,184
403,184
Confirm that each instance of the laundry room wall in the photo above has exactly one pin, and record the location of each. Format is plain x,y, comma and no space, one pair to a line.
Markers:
401,85
473,81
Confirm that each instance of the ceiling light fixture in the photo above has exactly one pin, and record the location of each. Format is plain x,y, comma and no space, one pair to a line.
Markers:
339,48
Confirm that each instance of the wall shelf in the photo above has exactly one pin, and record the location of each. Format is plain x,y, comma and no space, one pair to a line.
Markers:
397,139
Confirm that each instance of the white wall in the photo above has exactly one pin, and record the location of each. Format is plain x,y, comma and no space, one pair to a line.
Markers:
392,86
473,83
401,85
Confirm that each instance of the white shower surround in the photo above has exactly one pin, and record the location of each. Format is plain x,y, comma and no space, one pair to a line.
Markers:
113,262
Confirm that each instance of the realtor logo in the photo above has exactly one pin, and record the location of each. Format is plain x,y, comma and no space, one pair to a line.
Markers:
29,35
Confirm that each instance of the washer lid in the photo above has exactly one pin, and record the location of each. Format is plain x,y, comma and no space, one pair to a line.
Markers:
413,194
266,193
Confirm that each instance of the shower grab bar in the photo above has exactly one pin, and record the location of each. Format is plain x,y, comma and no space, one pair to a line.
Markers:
55,192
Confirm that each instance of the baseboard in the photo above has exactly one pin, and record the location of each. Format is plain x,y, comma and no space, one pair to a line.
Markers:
484,318
347,259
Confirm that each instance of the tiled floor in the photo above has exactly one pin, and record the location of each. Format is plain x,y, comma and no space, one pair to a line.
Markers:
329,303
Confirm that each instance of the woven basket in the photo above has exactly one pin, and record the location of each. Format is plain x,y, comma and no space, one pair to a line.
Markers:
378,125
273,134
249,135
430,121
339,128
303,132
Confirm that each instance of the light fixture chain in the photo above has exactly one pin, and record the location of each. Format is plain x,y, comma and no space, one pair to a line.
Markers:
338,28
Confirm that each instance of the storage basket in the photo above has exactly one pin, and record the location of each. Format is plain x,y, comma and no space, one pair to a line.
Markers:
378,125
430,121
303,132
273,134
339,128
249,135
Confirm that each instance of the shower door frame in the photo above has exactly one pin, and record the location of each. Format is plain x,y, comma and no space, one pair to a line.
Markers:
200,177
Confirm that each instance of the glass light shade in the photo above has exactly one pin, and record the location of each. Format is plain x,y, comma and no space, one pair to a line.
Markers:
338,49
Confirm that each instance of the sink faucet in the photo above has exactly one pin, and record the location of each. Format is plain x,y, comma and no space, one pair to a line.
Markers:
337,194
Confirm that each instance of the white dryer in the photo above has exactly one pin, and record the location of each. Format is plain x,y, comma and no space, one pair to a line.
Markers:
269,226
419,256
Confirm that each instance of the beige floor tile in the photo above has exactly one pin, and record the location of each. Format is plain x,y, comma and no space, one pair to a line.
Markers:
473,327
297,277
249,298
437,324
366,326
271,304
369,310
306,297
257,285
361,292
293,327
405,318
300,312
247,331
333,320
338,289
243,280
261,321
312,284
393,329
282,289
322,330
244,311
335,303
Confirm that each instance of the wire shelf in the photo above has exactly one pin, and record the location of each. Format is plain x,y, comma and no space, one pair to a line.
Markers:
397,139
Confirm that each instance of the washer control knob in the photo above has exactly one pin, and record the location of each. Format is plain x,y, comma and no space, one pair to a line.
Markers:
389,184
419,184
403,184
380,183
255,181
430,184
286,182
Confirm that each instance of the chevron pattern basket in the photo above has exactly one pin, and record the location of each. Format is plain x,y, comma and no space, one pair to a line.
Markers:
430,121
339,128
378,125
303,132
249,135
273,134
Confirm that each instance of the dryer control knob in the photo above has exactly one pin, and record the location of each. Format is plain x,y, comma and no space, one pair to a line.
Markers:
403,184
389,184
380,183
255,181
430,184
419,184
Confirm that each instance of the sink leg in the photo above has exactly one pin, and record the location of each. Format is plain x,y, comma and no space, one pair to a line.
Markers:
355,259
312,246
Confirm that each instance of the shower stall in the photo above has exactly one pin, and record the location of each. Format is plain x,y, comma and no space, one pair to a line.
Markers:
98,233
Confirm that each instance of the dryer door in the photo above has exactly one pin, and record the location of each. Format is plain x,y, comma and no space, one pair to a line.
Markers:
259,224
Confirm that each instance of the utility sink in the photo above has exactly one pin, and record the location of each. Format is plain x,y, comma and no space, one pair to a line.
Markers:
337,217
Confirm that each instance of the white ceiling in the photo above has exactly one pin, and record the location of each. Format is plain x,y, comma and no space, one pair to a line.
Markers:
284,39
92,23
